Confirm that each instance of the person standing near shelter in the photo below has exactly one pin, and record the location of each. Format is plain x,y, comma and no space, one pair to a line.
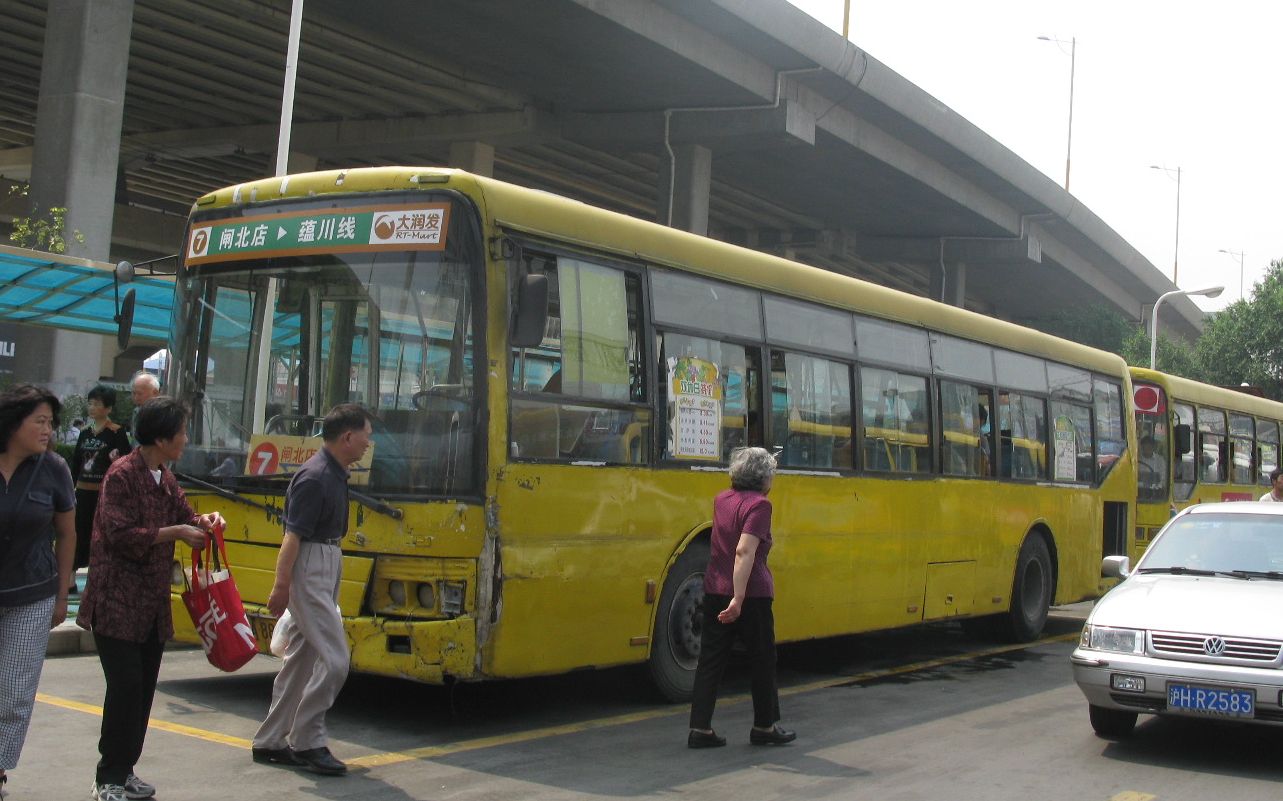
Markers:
94,454
142,388
1275,495
738,595
35,510
308,570
72,434
142,513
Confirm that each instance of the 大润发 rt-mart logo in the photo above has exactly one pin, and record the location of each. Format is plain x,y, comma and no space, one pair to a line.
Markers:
408,227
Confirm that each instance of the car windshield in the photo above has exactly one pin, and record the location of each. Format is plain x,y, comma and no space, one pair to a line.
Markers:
1219,543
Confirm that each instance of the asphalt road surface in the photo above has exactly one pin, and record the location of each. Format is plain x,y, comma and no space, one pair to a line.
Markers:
926,713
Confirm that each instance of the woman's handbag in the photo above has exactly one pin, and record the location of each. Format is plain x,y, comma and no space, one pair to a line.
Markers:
214,603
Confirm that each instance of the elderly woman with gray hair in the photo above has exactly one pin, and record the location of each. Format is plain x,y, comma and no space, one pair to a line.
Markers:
738,591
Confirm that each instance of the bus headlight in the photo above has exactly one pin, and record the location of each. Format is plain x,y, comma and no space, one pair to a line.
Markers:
427,599
452,596
1107,638
396,591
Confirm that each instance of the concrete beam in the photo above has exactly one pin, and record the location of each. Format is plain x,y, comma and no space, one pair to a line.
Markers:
724,129
475,157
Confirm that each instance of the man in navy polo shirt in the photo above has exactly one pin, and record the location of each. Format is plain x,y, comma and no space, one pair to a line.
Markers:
308,570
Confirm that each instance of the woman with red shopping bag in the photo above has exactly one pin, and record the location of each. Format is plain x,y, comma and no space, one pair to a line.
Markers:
142,513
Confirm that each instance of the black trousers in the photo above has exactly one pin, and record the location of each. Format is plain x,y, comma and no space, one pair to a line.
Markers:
86,505
756,629
131,669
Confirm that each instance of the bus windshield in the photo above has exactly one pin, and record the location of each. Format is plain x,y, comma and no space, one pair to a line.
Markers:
390,330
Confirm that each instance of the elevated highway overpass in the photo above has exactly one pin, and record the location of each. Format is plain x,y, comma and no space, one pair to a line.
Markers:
746,120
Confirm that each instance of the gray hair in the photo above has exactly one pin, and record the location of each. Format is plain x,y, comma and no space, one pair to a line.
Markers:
146,378
751,468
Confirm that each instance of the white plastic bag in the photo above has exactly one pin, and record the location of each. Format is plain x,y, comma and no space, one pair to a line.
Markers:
282,633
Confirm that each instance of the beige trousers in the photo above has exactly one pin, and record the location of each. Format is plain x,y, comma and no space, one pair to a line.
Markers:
316,660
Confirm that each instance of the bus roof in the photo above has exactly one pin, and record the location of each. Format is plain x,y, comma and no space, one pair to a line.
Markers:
555,217
1187,389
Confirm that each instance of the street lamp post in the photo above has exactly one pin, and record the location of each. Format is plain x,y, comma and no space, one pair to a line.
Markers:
1237,254
1210,292
1069,138
1176,253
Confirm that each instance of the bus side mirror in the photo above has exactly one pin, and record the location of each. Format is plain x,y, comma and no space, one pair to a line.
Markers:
532,311
1182,439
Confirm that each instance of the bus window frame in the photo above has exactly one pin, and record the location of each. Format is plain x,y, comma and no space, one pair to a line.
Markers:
553,252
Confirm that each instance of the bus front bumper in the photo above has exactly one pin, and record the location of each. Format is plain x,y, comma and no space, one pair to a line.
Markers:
420,650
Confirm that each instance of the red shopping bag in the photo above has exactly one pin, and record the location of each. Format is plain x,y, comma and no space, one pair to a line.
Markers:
214,603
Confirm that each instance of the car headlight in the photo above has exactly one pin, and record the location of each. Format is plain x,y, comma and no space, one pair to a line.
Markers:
1107,638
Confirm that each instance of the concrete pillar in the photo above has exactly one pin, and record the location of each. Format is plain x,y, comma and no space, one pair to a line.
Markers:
475,157
690,188
949,285
82,93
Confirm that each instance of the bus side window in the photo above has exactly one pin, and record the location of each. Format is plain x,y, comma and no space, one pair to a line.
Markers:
577,395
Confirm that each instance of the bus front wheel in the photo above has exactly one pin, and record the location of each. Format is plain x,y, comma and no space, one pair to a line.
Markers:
674,650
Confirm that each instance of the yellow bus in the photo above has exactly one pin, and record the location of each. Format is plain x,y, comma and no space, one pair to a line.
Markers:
1198,443
558,389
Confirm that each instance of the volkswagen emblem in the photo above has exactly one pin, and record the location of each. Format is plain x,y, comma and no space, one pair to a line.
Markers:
1214,646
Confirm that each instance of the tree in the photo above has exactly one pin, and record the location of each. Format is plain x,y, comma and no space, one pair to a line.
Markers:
1098,326
41,231
1244,343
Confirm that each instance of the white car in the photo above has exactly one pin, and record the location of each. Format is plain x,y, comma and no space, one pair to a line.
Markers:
1195,630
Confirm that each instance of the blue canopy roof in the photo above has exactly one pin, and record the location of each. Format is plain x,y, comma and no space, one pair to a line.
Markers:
76,295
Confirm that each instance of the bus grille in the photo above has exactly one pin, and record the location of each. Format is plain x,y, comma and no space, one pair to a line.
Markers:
1196,645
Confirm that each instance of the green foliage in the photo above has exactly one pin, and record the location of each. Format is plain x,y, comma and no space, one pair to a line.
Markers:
1098,326
41,231
1244,343
67,452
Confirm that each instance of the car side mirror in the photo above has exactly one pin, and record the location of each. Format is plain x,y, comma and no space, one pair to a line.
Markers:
532,311
1115,567
1183,438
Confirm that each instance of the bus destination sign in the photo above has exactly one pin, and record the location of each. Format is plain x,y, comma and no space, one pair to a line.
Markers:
364,228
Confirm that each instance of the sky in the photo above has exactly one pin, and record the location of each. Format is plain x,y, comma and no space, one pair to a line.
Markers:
1169,84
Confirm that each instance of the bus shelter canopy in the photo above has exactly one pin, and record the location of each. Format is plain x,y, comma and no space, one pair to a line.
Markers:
77,295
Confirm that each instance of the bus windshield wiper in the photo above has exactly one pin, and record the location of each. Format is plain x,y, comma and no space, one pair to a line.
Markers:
1181,570
376,504
223,492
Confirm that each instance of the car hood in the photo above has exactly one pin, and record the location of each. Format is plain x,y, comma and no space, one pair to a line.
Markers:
1195,604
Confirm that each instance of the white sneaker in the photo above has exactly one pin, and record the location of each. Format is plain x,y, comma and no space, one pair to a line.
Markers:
137,788
108,792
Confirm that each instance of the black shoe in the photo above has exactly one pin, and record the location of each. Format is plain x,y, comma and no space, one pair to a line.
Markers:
700,739
276,756
320,760
772,736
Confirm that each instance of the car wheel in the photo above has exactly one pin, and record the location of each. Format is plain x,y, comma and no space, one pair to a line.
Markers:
1031,592
679,622
1111,722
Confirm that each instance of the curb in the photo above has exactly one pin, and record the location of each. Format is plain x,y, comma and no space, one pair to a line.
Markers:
68,638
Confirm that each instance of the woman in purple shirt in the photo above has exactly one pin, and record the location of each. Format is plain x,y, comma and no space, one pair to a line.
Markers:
738,591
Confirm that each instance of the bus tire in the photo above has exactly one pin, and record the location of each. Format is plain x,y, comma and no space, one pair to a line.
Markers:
1032,589
679,620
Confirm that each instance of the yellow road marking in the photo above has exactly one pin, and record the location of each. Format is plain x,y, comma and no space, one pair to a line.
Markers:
462,746
1132,795
153,723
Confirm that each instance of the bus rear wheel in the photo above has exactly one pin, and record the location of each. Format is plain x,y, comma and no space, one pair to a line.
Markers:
1031,592
679,622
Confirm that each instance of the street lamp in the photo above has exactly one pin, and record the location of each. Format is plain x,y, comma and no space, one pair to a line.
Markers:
1176,253
1210,292
1069,139
1237,254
